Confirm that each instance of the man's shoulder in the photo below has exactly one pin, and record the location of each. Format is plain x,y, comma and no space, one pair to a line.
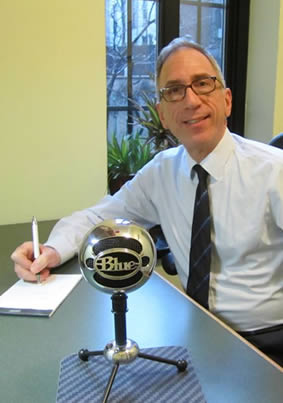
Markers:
256,149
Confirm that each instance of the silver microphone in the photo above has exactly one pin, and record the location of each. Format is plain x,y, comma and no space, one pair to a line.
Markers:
117,255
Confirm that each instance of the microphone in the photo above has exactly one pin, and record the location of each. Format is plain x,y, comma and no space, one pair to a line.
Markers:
117,255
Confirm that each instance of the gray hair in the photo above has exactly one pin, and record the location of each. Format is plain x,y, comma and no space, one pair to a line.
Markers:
185,42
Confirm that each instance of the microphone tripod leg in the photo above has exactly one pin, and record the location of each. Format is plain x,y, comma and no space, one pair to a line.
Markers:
180,364
84,354
110,382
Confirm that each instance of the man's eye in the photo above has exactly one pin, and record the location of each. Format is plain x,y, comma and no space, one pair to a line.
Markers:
174,90
202,83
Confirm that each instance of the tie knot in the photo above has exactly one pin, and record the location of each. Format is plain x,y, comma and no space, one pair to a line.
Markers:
201,172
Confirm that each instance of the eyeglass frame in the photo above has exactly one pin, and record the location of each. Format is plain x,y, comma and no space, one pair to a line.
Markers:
185,87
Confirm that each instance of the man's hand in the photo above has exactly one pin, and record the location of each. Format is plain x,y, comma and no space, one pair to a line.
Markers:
27,268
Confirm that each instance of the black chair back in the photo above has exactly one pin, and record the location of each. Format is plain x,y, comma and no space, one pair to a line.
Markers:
277,141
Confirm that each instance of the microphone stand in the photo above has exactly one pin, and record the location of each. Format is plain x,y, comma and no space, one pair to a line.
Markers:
122,350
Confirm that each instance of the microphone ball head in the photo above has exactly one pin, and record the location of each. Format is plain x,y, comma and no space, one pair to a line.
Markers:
117,255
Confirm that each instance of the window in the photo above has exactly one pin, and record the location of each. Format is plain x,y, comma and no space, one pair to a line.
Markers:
132,45
204,22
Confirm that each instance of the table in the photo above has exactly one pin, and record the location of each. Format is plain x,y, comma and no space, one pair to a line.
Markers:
32,348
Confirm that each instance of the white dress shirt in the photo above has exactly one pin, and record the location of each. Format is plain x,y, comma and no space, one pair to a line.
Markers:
246,203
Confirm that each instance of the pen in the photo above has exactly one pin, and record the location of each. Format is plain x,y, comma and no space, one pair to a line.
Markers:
36,251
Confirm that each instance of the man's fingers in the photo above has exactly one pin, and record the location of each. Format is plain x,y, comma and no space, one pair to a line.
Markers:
24,273
23,255
49,258
43,275
27,275
27,268
39,264
21,261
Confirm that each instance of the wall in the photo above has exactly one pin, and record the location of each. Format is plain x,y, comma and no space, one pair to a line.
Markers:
264,117
278,109
52,106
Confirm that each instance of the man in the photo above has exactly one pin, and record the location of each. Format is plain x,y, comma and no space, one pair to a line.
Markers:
245,189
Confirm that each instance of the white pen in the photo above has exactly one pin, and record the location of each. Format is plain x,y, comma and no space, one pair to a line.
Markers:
35,240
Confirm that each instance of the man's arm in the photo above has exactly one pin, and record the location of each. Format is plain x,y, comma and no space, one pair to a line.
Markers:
131,202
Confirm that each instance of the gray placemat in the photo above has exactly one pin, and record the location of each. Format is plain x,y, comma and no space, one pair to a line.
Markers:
141,381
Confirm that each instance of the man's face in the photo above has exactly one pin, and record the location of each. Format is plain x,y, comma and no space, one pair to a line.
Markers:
198,121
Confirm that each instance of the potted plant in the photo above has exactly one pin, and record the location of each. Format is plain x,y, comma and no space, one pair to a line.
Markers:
126,157
148,118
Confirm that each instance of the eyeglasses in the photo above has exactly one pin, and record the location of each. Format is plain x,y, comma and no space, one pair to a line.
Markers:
201,86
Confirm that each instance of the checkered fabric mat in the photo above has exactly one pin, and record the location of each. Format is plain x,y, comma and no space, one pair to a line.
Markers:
140,381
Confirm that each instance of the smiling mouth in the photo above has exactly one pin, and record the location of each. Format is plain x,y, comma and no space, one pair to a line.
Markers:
194,121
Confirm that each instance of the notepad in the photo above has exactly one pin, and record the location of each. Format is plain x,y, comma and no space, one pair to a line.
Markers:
32,299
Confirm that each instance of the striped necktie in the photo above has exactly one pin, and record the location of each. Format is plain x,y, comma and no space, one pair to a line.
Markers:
200,254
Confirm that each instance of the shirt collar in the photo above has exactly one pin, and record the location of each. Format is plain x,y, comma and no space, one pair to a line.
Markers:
215,161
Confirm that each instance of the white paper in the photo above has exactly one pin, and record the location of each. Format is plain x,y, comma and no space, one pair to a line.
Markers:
47,295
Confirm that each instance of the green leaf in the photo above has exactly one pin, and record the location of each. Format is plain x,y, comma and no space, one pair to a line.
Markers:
127,156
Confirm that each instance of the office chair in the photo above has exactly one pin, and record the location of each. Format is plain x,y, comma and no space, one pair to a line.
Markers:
163,251
277,141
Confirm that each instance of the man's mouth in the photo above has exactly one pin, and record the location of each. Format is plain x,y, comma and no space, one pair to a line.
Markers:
194,121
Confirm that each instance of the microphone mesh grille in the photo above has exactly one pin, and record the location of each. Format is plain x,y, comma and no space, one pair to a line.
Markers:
117,242
123,283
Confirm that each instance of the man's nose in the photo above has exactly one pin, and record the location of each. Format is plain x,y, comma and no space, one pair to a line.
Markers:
191,99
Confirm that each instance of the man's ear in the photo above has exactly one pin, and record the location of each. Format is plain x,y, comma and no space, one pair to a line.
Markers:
161,115
228,102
